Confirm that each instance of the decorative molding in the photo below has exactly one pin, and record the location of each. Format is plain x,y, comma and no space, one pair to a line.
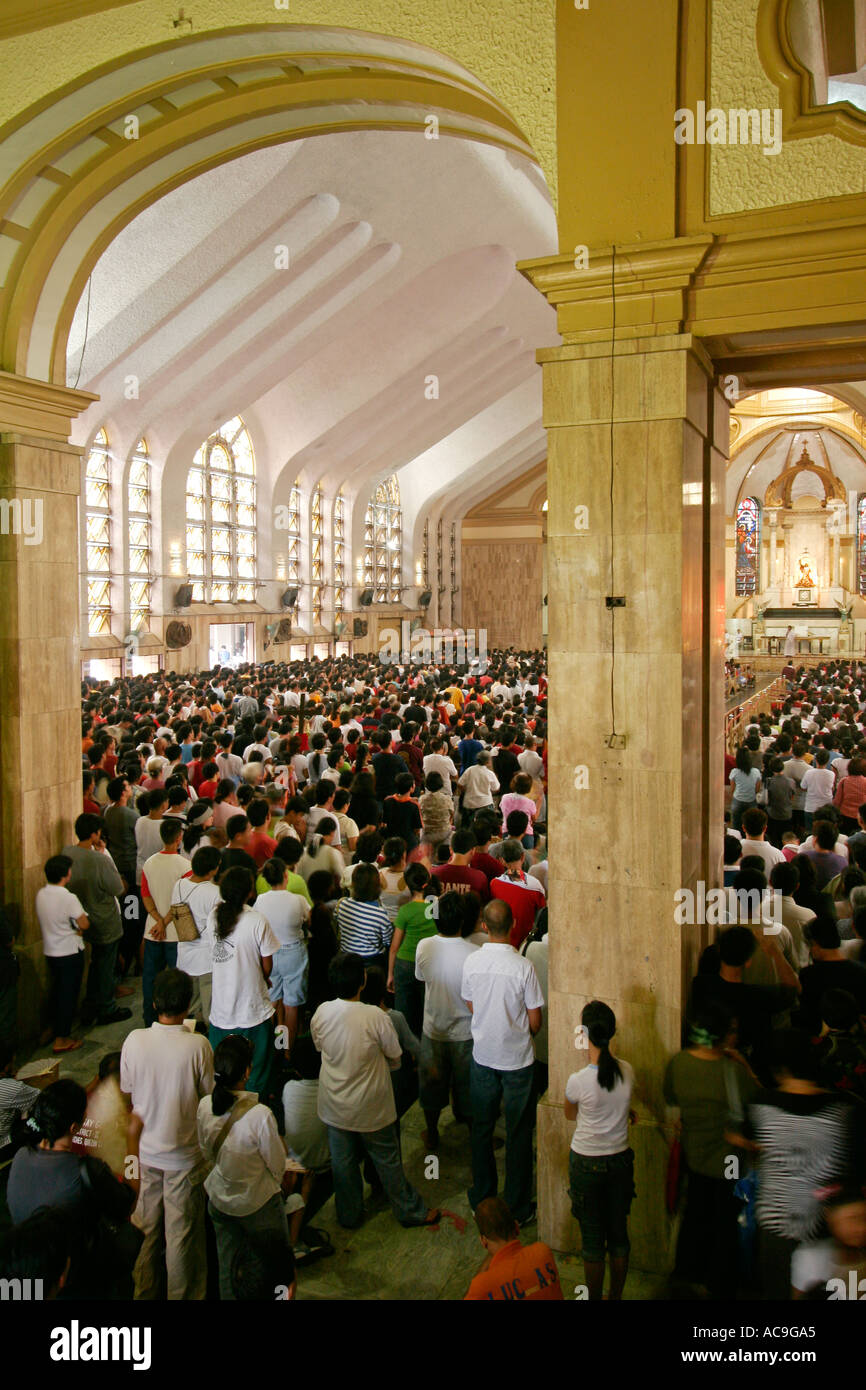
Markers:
801,117
726,290
39,409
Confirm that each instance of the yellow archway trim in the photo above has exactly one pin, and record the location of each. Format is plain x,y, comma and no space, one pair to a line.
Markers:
800,116
226,112
161,89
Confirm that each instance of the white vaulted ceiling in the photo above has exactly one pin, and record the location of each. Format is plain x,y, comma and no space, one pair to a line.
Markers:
401,256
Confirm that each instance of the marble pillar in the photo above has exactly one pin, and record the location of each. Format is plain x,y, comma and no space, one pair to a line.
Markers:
40,693
629,827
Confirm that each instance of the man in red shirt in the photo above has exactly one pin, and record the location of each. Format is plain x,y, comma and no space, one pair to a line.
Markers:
484,829
523,893
511,1271
260,844
457,874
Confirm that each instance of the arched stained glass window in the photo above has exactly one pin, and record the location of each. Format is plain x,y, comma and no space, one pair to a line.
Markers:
317,553
340,557
221,517
383,543
293,538
861,544
139,544
748,545
97,535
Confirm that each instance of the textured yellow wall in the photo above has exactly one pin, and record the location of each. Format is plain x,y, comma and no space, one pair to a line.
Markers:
742,177
508,44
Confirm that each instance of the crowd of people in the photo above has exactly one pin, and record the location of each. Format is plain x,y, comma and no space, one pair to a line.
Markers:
331,879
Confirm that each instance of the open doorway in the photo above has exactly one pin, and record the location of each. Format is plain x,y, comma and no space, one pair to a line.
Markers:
232,644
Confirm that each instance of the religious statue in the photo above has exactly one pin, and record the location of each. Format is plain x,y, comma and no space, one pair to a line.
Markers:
805,578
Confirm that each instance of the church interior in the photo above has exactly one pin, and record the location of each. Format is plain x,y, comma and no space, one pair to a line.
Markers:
326,326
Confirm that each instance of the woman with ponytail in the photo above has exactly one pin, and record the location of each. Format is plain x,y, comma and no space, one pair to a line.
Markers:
601,1164
244,946
240,1138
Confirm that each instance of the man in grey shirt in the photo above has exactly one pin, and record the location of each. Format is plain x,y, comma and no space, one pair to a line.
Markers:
96,883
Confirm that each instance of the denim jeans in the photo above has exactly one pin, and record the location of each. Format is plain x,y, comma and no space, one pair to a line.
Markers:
489,1088
99,995
738,810
65,973
408,994
158,956
348,1148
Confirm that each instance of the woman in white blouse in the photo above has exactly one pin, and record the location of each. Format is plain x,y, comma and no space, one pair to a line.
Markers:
240,1138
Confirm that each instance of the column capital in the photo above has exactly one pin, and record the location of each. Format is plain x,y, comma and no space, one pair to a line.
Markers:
651,282
40,409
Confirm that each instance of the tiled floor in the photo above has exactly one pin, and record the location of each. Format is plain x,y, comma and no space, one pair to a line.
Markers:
382,1260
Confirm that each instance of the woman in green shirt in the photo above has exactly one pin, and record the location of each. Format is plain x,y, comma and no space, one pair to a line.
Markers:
414,921
711,1086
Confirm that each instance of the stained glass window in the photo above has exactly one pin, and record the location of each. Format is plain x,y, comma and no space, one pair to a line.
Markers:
221,517
139,542
341,559
293,538
317,554
383,543
748,545
861,544
97,535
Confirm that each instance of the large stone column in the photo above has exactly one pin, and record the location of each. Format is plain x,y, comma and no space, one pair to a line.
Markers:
629,827
39,651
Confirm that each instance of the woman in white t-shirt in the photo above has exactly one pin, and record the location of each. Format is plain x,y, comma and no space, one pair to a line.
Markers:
601,1164
240,1137
244,946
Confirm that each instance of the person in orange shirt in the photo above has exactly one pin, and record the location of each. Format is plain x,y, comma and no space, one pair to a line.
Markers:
511,1271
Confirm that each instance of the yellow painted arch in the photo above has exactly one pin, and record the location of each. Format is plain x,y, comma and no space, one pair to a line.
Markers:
388,93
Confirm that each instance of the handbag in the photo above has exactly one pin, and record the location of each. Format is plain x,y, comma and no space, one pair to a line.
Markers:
674,1176
184,922
207,1165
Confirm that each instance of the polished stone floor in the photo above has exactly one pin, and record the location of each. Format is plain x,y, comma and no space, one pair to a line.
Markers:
382,1260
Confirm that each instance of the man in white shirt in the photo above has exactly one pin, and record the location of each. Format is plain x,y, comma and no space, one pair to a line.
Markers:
166,1070
62,919
819,784
754,828
360,1048
504,997
199,892
445,1057
158,877
438,761
478,783
529,761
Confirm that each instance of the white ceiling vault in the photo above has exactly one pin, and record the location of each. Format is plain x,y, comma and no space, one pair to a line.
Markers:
401,267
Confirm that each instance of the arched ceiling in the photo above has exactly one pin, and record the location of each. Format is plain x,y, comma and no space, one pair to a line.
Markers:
813,441
400,267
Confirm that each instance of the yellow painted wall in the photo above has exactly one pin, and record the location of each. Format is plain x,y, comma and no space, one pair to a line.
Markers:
742,177
510,46
616,77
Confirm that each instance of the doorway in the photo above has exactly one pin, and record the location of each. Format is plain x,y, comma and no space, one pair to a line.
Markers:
232,644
